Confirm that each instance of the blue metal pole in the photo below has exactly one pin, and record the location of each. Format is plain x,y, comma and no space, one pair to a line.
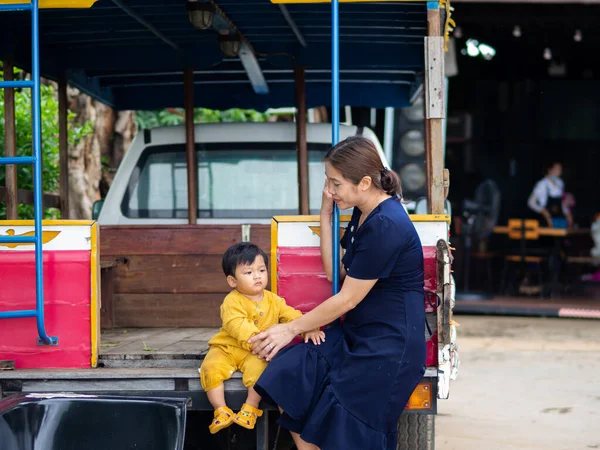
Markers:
17,160
17,239
37,176
18,314
16,84
335,133
16,7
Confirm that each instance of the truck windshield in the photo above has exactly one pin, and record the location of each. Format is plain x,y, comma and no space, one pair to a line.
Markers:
235,180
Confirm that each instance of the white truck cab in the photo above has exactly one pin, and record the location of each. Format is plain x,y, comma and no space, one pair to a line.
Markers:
246,172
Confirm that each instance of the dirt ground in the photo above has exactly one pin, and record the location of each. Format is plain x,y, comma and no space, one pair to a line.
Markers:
524,383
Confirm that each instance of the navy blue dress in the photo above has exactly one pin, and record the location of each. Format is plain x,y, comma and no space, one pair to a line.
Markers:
349,392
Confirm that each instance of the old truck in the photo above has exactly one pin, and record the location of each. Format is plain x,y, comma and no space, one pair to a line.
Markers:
126,307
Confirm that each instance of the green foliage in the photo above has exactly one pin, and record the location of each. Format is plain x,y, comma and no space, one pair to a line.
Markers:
24,140
176,116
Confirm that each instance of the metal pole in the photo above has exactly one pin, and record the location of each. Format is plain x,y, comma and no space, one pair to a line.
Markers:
190,146
63,147
12,210
302,146
38,210
335,134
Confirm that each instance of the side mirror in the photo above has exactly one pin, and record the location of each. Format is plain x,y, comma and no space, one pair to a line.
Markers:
96,208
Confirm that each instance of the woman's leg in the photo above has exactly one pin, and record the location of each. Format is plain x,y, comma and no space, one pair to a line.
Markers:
300,443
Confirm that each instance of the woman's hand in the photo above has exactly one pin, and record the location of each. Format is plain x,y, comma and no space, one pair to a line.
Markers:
268,343
326,201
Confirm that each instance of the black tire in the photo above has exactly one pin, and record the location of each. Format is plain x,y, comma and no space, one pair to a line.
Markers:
416,432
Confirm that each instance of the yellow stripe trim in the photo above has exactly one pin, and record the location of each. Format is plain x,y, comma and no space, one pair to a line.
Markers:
413,217
274,232
429,217
47,223
95,294
345,1
54,4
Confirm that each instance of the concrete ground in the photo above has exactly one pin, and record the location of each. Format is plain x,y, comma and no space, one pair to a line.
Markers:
524,383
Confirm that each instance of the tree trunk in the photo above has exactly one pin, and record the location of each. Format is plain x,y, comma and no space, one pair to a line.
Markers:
93,160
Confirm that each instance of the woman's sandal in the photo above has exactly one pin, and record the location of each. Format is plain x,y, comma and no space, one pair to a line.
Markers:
247,416
223,418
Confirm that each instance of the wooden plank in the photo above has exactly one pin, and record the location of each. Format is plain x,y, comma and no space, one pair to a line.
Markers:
107,297
136,384
100,374
63,147
186,347
301,145
121,336
10,146
168,310
7,365
152,343
26,197
156,274
434,78
434,111
168,240
204,335
190,145
435,176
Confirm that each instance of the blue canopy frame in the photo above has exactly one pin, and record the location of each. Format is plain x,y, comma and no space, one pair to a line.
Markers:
131,54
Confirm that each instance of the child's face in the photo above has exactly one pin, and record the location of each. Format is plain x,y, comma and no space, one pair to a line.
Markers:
250,279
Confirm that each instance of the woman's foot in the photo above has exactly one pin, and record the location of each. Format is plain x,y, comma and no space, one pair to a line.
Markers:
222,419
247,416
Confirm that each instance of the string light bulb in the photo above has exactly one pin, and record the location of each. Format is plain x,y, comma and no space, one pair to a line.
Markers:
458,33
547,54
516,31
577,37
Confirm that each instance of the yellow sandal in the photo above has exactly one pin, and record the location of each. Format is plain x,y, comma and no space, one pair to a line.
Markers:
247,416
223,418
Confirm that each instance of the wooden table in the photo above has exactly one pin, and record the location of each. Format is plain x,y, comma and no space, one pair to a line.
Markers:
547,231
555,252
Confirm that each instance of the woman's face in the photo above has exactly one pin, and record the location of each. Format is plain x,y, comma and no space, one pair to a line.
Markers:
345,193
555,170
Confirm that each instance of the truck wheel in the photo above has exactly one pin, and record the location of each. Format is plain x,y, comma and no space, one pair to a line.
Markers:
416,432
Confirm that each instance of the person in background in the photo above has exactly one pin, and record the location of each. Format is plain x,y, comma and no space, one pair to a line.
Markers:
547,199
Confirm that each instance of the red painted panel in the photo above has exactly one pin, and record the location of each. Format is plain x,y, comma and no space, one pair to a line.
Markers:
299,260
302,282
304,292
431,360
67,305
299,267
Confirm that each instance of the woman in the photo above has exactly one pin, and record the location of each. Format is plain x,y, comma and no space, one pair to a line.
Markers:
547,199
349,392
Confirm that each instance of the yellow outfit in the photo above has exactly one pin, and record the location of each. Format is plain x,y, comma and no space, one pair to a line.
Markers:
229,349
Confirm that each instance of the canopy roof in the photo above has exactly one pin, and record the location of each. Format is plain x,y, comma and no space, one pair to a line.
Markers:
130,54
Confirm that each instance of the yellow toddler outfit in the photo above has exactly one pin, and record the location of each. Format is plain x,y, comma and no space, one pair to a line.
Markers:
229,349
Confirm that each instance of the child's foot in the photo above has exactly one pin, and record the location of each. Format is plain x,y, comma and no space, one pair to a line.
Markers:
223,418
247,416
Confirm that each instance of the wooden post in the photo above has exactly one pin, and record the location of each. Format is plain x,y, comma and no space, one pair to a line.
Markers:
63,147
302,147
12,210
190,146
435,111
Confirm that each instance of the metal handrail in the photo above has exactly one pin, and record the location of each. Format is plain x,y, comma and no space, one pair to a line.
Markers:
36,160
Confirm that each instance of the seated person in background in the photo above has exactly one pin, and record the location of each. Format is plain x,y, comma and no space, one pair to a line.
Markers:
246,311
547,199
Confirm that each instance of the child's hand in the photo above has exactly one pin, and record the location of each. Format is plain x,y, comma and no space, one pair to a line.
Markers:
316,336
